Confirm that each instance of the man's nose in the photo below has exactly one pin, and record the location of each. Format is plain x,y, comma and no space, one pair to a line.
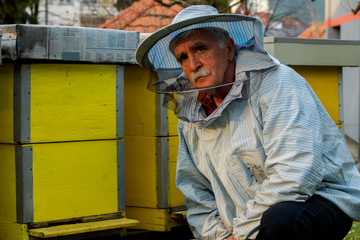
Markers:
195,62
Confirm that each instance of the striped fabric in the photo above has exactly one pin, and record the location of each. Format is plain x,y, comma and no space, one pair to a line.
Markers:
271,140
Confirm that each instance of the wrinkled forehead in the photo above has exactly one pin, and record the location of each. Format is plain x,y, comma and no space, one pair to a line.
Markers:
200,34
193,39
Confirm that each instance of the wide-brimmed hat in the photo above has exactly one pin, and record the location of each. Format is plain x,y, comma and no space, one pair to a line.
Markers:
153,53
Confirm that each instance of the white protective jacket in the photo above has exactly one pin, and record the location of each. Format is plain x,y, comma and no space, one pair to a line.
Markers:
267,142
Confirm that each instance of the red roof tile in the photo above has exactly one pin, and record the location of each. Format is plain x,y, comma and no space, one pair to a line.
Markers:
144,16
316,30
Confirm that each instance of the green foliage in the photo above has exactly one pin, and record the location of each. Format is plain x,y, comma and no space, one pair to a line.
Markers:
221,5
354,233
14,11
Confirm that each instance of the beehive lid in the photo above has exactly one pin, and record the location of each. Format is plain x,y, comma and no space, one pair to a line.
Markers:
60,43
314,52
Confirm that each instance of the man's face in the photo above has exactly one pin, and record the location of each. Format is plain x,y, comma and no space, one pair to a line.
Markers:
204,61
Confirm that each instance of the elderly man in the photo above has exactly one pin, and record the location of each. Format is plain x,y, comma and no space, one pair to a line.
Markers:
259,157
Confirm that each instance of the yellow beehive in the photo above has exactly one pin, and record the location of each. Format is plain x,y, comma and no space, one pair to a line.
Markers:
63,150
62,131
60,181
55,181
324,80
60,102
150,155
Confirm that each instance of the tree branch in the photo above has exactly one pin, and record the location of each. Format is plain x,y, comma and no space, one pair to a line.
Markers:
272,16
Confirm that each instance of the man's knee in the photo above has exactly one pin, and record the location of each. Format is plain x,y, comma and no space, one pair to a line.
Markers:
281,215
280,222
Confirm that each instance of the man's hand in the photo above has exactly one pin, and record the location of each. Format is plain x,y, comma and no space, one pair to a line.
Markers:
231,238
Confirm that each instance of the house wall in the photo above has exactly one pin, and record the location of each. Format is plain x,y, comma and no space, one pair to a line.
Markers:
351,76
84,13
59,12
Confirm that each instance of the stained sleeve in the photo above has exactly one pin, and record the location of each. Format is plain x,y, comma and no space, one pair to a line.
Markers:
292,142
202,214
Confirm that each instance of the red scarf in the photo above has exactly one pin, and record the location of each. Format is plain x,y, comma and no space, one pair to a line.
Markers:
208,102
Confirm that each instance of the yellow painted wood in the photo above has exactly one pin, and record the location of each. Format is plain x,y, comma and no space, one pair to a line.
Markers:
152,219
74,179
139,103
72,102
115,233
78,228
179,214
6,102
324,82
13,231
173,122
140,171
175,197
7,183
177,222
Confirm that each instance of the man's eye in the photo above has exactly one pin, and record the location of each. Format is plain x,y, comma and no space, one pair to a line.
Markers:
200,49
181,59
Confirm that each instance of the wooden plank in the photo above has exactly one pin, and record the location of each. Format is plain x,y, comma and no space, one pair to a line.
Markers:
78,228
84,219
179,214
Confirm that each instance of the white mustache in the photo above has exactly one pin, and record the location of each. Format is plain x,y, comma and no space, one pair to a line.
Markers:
200,73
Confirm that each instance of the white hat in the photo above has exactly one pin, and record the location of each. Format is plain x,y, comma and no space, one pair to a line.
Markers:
153,53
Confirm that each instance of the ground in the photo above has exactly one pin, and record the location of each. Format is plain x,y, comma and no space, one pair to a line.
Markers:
179,233
354,233
183,233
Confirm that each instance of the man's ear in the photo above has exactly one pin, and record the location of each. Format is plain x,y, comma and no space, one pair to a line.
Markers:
231,49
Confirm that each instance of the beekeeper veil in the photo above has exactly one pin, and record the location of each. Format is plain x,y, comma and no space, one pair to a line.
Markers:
166,75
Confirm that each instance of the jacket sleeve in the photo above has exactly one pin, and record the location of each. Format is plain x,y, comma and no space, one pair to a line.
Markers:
202,214
292,142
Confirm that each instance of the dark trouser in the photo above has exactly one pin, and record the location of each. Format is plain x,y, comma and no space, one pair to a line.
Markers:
315,219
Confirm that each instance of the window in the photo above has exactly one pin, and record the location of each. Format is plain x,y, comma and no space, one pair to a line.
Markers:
65,1
88,1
